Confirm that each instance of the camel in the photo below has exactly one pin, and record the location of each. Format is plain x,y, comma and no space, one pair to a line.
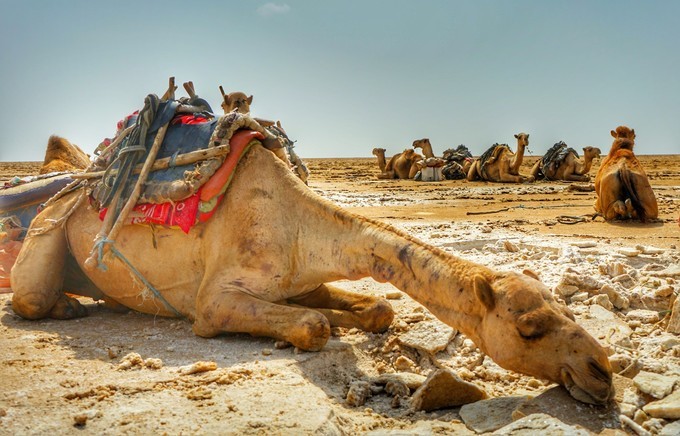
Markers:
236,101
268,274
62,155
621,185
402,165
380,154
500,164
566,164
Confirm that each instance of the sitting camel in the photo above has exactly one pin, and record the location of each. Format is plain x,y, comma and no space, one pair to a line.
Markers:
621,185
268,274
402,165
62,155
562,163
500,164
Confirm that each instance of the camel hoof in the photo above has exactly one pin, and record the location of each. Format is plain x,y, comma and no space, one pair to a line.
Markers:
314,331
67,308
377,318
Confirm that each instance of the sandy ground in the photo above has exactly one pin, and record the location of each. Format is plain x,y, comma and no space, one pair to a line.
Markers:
58,376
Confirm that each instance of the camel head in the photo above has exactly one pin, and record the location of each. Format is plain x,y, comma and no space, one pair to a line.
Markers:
236,101
623,132
422,143
522,139
591,152
379,152
525,329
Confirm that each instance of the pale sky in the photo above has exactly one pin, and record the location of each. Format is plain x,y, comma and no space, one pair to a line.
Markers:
346,76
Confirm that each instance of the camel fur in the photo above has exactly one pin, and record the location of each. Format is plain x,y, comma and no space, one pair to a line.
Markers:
572,168
621,185
62,155
267,273
402,165
504,165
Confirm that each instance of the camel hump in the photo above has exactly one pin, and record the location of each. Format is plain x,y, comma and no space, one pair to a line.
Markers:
630,188
62,155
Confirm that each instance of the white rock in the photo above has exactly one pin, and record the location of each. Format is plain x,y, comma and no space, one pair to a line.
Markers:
490,415
566,290
628,252
642,315
619,301
602,300
668,408
674,322
511,247
584,244
656,385
540,423
650,250
581,296
607,328
429,336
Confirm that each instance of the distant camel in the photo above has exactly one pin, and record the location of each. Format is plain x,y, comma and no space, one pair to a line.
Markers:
562,163
401,166
500,164
622,187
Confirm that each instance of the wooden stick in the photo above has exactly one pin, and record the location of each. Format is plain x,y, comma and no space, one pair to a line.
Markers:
189,88
161,164
170,93
132,200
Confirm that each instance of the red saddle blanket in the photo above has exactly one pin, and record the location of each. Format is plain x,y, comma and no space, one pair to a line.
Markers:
200,206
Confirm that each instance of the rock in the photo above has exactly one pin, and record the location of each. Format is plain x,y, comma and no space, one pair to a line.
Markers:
629,252
621,385
566,290
403,364
619,301
672,429
429,336
359,391
625,280
557,403
581,296
649,250
656,385
442,389
413,381
584,244
197,367
540,423
612,269
619,362
395,295
580,280
674,322
642,315
509,246
601,300
606,327
490,415
672,271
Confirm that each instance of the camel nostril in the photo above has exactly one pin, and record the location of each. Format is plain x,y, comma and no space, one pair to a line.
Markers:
599,371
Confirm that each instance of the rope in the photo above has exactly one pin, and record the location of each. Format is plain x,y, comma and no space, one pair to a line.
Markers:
114,250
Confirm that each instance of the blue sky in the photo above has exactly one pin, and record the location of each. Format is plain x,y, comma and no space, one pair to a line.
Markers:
347,76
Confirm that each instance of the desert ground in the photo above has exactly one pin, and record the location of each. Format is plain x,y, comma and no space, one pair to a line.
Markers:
128,373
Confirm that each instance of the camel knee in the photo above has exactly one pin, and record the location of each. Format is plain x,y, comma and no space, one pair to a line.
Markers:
377,317
32,305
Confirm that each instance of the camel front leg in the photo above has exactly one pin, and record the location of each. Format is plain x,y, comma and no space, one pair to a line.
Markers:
37,278
474,172
578,177
349,309
230,310
511,178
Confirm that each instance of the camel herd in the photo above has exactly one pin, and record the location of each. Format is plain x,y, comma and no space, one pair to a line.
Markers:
621,184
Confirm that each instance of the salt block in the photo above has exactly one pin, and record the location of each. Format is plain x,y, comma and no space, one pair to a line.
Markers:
656,385
490,415
429,336
442,389
557,403
668,408
606,327
542,424
674,322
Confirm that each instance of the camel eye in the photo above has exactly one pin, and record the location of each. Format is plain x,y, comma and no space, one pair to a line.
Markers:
531,325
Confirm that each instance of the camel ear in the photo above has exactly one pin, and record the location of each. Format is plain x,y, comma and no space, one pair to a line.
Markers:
516,136
250,100
613,134
530,273
633,133
278,124
484,292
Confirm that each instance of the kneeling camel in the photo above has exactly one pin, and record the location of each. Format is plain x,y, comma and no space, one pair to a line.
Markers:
268,275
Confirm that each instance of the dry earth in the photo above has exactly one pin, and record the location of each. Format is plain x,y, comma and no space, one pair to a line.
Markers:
619,278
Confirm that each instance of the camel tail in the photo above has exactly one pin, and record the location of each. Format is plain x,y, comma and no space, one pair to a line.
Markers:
629,192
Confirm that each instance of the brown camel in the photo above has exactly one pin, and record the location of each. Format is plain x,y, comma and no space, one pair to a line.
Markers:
622,187
236,101
567,165
380,154
402,165
500,164
62,155
267,274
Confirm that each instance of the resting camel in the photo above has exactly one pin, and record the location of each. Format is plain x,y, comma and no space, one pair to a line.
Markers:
500,164
621,185
380,154
62,155
402,165
268,274
568,166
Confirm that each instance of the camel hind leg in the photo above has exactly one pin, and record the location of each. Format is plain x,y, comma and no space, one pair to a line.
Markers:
349,309
38,275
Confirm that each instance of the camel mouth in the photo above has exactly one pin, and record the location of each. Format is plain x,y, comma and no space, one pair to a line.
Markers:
596,392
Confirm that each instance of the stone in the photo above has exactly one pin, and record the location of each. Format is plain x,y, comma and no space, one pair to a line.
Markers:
511,247
624,280
601,300
629,252
566,290
672,271
584,244
412,380
557,403
649,250
606,327
674,322
612,269
442,389
672,429
395,295
642,315
490,415
429,336
619,362
656,385
581,296
403,363
359,391
621,384
580,280
619,301
541,423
